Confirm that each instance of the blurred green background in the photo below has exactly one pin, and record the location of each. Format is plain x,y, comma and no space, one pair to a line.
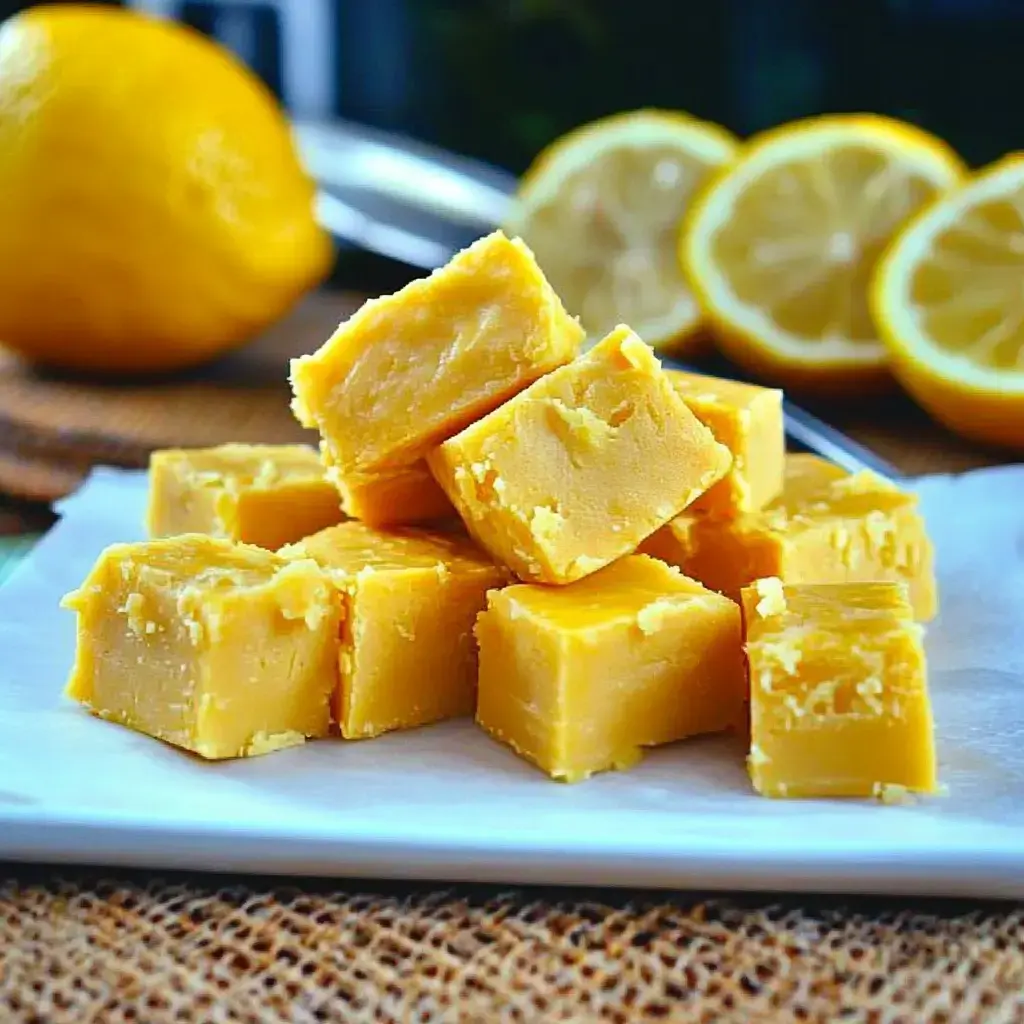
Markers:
498,79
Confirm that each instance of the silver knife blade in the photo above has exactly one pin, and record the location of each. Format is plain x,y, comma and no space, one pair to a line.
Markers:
805,430
420,204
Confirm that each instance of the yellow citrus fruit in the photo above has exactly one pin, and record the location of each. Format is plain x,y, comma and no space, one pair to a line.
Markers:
600,208
949,303
781,246
153,206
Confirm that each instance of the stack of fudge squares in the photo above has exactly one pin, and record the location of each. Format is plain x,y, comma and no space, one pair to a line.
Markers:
591,554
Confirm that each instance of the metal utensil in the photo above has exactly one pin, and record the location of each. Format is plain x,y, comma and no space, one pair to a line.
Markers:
420,204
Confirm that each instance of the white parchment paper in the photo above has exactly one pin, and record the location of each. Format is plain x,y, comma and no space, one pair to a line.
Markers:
447,802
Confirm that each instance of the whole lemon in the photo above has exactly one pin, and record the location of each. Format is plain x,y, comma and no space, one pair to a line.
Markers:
153,210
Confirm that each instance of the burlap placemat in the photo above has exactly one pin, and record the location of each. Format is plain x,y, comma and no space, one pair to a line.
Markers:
106,950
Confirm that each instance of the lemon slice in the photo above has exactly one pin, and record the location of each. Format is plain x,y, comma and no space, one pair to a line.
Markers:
949,302
601,208
780,249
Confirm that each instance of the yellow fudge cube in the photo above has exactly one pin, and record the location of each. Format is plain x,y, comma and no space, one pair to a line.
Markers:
838,691
727,556
578,679
826,527
804,476
581,466
254,493
410,600
224,649
748,421
411,369
395,497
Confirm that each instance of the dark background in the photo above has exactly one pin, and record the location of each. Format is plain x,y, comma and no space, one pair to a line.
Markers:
498,79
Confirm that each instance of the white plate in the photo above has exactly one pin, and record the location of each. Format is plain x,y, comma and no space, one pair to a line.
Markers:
447,803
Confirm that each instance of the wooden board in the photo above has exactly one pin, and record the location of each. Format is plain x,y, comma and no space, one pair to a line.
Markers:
54,428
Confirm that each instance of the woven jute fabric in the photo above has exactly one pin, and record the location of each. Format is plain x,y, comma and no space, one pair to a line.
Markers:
130,950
